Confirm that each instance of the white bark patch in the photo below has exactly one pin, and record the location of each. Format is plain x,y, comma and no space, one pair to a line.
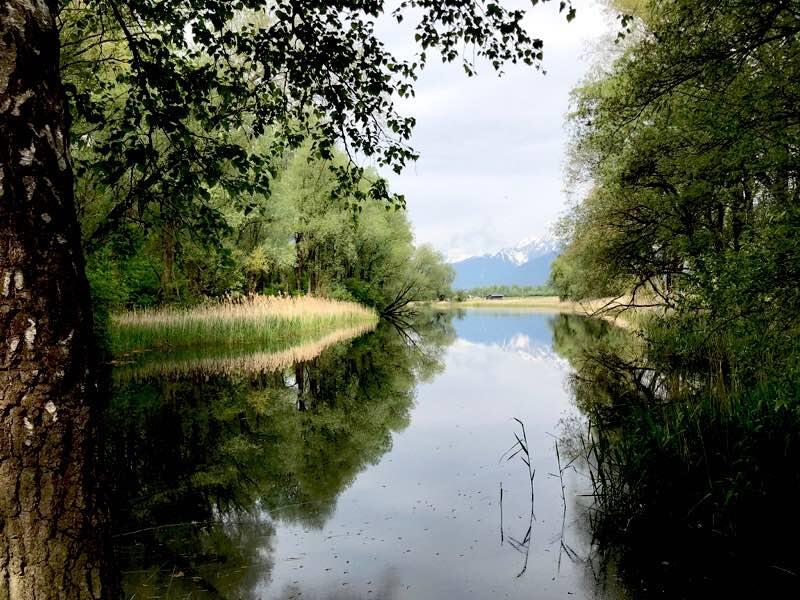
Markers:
38,10
5,75
51,189
23,98
66,343
28,423
62,150
26,155
19,280
30,333
57,144
52,409
6,283
13,344
46,218
9,62
43,12
15,17
30,187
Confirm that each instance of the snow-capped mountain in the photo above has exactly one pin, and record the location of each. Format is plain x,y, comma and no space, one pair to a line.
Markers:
527,250
527,263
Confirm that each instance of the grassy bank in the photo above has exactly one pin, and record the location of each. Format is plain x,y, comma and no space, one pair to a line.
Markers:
266,323
612,309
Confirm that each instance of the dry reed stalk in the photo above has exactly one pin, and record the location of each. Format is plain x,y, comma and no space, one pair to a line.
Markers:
259,324
247,364
256,309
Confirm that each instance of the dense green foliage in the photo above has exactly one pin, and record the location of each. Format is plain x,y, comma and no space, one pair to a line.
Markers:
689,140
690,144
512,291
217,145
300,238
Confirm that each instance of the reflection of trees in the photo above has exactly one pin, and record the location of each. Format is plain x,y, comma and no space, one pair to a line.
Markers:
606,359
694,482
224,450
580,339
225,559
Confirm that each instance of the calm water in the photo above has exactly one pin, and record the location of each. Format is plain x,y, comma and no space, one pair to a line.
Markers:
372,471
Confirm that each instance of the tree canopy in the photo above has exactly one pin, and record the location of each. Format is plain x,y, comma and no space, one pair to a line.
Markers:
689,144
191,121
168,97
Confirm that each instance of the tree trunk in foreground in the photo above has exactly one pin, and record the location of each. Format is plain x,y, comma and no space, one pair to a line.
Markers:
51,531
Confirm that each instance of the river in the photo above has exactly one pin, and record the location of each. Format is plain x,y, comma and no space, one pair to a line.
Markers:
371,471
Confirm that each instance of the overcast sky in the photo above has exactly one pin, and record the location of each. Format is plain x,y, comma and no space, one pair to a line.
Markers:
492,149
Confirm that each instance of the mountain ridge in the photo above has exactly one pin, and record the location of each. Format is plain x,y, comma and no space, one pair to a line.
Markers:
526,263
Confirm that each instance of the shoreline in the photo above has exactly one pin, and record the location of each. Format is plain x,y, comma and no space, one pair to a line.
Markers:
614,310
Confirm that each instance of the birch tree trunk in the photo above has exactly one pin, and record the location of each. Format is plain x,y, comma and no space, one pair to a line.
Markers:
52,543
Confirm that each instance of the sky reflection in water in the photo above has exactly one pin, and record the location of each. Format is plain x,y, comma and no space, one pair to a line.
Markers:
416,514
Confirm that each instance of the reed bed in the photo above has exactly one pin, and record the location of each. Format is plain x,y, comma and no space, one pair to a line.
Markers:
179,365
258,323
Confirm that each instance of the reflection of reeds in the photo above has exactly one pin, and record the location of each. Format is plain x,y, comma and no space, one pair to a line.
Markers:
521,448
162,365
258,322
564,548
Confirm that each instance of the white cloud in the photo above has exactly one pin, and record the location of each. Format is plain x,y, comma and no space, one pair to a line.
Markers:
493,148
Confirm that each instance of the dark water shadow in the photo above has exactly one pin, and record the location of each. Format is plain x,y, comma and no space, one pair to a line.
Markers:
688,499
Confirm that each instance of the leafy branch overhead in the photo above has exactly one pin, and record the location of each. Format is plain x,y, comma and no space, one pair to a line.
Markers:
169,95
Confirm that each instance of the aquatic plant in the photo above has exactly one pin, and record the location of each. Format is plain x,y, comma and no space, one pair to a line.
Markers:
260,322
520,448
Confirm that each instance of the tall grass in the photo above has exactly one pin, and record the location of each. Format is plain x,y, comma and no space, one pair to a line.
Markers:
263,322
191,363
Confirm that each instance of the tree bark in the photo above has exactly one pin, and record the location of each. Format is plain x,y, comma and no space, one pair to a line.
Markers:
52,541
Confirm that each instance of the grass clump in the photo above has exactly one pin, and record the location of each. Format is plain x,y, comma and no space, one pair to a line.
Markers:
263,322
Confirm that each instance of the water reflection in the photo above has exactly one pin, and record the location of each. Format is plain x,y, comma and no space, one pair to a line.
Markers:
370,471
373,470
224,361
204,463
692,481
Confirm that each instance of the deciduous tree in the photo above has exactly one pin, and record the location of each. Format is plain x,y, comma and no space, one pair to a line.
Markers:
190,74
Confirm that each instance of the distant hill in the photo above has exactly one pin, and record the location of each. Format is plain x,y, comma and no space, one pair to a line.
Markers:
527,263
